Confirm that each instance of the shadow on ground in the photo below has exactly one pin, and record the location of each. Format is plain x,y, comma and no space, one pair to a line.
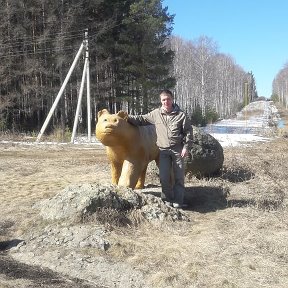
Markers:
199,199
39,277
6,245
236,175
205,199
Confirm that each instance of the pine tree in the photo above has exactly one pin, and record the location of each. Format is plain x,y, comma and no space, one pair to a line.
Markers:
147,60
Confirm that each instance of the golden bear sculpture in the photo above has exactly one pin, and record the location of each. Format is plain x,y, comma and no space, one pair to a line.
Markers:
129,148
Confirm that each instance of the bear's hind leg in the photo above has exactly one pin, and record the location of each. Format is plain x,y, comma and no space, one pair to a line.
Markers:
141,179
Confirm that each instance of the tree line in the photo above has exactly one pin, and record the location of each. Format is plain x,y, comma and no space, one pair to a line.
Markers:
280,86
133,55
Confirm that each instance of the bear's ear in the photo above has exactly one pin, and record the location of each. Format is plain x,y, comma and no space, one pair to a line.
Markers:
123,114
103,111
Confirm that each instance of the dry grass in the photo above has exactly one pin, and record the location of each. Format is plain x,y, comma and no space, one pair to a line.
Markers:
237,236
240,244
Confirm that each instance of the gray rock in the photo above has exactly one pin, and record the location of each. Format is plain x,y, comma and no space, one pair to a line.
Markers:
74,236
206,155
78,202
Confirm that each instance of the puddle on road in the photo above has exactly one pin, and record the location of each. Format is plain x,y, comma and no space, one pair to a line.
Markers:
218,129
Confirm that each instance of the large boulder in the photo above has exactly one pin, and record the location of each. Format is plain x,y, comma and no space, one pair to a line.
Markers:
206,156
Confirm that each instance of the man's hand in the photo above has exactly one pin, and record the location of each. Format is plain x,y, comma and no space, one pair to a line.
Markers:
123,114
184,152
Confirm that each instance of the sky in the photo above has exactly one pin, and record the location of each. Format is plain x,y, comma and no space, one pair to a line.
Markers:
253,32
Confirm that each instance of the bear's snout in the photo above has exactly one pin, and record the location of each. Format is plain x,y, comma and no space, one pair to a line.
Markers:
111,124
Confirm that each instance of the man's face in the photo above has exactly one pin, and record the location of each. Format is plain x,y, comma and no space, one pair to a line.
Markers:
167,102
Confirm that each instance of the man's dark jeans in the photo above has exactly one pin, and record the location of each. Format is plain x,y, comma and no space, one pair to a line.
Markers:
173,188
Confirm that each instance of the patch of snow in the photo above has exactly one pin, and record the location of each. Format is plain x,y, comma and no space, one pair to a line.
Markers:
255,120
81,140
232,140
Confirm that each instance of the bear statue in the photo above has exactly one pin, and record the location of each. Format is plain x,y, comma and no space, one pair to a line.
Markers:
129,148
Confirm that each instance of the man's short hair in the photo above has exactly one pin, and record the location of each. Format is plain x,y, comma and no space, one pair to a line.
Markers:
167,92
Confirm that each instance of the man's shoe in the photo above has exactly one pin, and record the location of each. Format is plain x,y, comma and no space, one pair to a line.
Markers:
180,206
169,204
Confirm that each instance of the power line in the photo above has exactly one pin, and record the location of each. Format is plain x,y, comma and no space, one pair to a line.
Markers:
40,51
44,40
20,45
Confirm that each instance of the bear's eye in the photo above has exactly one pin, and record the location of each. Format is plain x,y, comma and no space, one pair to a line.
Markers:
105,120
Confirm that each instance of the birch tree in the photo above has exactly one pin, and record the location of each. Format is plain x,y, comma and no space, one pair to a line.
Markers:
280,86
207,81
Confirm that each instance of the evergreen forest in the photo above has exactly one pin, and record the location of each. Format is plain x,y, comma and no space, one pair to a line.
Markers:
132,56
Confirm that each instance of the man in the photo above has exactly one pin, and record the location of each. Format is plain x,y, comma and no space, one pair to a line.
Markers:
174,138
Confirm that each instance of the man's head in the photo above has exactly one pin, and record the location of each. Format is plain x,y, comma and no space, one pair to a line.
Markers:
166,98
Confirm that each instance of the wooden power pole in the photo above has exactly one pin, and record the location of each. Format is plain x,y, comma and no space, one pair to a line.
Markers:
84,75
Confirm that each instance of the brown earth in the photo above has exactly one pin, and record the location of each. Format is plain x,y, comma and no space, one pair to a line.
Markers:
27,175
236,241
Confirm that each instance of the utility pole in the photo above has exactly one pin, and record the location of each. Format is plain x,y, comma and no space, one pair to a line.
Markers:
79,102
88,87
84,75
